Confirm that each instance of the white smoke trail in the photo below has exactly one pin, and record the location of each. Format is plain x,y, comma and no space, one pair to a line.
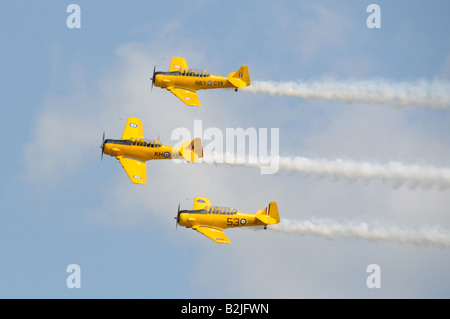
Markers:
394,172
354,230
422,93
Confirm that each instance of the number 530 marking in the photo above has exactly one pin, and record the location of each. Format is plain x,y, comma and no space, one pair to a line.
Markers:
232,221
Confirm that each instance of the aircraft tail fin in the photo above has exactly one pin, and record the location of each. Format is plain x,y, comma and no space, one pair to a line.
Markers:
192,151
240,78
269,215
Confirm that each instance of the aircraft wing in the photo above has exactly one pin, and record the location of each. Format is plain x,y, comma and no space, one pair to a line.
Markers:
213,233
177,63
201,202
135,169
133,128
187,96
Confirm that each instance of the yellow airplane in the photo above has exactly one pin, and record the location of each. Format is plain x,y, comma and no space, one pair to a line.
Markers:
211,220
132,150
184,82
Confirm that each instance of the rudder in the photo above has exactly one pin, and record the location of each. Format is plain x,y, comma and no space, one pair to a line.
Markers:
269,215
192,151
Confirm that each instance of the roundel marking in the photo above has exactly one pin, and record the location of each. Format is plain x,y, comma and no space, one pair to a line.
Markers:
209,82
166,154
200,201
137,176
133,125
243,221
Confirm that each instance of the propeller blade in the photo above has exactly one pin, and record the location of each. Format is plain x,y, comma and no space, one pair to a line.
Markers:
177,218
103,145
153,77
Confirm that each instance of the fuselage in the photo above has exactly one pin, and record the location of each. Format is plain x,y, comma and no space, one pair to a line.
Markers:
138,148
190,79
221,218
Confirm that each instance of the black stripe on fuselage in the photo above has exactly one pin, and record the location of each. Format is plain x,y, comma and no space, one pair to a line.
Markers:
189,73
205,212
198,211
167,73
122,142
143,143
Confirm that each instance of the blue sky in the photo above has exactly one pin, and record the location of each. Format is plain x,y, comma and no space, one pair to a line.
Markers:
61,88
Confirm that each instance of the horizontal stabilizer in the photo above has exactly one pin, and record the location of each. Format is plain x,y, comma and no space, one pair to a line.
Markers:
238,83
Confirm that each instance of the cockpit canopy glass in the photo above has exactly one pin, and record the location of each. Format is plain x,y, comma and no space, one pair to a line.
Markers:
220,210
194,73
144,142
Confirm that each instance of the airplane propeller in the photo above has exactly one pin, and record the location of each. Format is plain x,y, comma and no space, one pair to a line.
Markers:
177,218
153,77
103,144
